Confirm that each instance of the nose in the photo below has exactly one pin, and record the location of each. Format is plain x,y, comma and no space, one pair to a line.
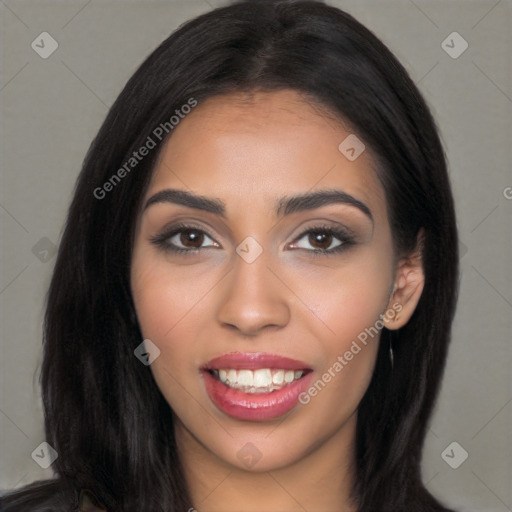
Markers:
253,298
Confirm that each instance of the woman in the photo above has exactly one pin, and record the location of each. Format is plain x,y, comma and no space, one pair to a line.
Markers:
205,347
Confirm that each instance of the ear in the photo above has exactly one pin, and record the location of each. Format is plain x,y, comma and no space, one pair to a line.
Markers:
407,289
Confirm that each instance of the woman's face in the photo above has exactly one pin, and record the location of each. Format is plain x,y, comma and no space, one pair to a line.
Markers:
245,277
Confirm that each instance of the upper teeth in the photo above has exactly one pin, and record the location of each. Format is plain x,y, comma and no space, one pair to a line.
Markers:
262,380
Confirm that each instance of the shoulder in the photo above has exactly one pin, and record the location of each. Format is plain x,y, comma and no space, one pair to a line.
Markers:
40,496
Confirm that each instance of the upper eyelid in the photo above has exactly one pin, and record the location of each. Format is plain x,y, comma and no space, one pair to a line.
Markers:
199,225
174,229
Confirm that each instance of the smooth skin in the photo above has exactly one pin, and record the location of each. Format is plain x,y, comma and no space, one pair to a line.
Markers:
249,151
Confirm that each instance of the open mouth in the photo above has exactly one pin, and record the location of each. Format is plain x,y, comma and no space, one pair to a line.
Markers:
254,386
262,380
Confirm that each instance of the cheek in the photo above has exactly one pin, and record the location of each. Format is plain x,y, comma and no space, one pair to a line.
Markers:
172,304
343,312
342,301
165,295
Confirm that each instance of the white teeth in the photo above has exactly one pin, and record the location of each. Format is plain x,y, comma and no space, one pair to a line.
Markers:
245,378
232,376
289,376
278,377
263,380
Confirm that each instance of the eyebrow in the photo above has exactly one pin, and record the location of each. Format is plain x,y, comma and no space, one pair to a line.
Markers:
284,206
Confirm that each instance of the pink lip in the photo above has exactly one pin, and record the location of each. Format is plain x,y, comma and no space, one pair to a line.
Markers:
254,406
253,361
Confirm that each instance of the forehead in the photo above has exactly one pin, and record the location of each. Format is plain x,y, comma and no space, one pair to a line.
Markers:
260,146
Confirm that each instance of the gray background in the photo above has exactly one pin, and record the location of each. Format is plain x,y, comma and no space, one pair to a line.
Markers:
52,108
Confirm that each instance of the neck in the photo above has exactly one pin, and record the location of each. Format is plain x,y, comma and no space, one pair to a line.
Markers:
321,480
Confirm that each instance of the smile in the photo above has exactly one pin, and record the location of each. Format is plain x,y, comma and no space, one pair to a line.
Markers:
254,386
263,380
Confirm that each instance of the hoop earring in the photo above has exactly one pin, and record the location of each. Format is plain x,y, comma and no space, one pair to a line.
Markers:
391,356
86,498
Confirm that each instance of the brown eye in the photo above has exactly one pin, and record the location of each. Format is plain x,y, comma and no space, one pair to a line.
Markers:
324,240
320,240
183,239
191,238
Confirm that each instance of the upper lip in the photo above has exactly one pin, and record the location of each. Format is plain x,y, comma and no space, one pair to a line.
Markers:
254,361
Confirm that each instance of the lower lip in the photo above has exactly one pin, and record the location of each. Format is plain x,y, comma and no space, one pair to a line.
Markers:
254,406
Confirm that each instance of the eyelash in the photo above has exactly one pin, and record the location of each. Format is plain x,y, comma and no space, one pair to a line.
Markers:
162,240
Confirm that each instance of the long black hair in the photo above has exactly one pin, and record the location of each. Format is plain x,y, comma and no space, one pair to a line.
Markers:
104,414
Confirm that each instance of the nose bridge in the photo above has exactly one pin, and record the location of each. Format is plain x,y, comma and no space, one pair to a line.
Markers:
253,298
